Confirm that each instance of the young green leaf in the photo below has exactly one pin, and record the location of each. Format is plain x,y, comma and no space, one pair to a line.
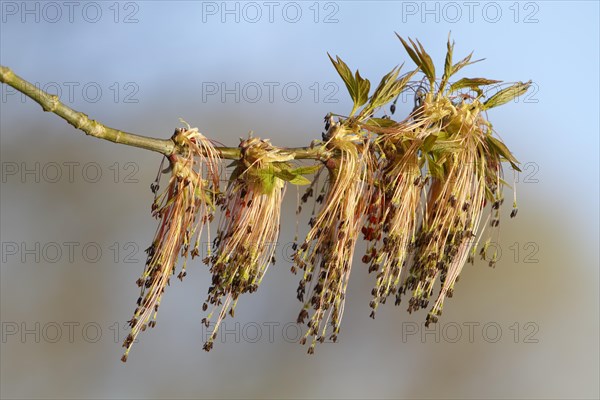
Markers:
239,169
358,87
299,180
267,178
343,71
506,95
429,141
307,170
500,148
363,87
446,146
464,62
427,63
388,89
447,64
284,174
435,168
411,53
293,176
288,176
383,93
472,83
420,57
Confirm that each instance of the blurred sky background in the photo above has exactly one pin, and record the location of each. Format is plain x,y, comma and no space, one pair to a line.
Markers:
526,329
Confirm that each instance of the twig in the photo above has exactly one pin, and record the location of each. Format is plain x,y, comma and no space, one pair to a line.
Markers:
79,120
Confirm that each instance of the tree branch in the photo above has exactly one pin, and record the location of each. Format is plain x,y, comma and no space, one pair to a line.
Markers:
81,121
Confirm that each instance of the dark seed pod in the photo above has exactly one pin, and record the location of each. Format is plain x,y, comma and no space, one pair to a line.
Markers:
327,122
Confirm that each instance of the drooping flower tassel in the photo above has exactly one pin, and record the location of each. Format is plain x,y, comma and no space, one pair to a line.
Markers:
327,252
249,227
185,206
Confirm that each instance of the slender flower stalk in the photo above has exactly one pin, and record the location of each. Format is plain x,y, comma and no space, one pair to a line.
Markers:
248,229
185,206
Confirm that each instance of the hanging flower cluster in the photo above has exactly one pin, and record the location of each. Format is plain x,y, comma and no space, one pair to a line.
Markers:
394,214
327,252
464,168
249,226
416,190
183,208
